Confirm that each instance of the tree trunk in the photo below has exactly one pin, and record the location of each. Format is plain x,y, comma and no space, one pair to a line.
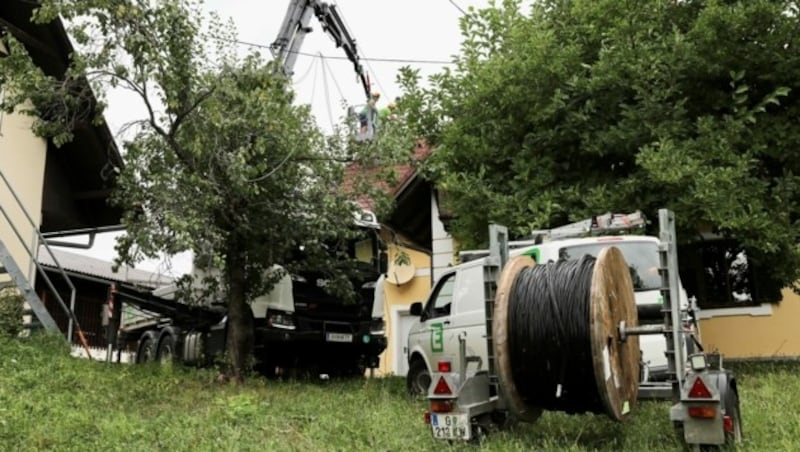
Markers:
240,319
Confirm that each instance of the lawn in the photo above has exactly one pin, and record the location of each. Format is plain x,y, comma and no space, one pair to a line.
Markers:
49,401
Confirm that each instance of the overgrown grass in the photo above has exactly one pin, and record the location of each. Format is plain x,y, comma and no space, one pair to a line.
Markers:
49,401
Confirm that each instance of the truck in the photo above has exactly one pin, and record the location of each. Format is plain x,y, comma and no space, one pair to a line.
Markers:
297,324
455,304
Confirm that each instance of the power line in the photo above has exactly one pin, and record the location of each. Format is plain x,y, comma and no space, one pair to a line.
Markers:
333,77
458,7
298,80
378,60
327,91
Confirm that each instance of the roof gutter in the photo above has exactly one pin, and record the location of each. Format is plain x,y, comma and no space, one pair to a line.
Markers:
91,232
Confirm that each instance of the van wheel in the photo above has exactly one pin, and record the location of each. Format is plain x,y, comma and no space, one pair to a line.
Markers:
418,379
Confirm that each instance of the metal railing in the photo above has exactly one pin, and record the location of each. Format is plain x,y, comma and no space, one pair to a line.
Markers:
72,319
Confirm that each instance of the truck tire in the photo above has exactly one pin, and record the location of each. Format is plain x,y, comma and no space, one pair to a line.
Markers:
418,379
166,348
146,351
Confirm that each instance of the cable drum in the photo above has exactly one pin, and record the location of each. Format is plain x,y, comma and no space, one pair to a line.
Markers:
555,336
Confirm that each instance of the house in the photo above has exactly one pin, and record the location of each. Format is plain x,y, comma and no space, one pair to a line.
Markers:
46,190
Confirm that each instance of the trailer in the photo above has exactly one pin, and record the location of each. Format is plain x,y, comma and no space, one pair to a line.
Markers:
468,399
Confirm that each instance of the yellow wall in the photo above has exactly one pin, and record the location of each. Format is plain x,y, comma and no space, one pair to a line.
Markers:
403,295
22,159
767,336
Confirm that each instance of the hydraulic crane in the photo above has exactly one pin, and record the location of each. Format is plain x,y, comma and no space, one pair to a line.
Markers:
295,27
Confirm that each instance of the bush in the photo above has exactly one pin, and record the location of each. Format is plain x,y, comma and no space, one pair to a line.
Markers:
10,313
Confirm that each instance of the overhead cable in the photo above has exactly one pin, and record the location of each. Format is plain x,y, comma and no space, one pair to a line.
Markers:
458,7
377,60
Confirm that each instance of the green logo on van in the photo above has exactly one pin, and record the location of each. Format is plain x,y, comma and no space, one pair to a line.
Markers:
437,337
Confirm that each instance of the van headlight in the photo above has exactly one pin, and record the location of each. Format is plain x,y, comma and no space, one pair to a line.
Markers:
279,319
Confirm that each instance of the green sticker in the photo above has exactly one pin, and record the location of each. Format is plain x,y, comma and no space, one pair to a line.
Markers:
626,407
437,337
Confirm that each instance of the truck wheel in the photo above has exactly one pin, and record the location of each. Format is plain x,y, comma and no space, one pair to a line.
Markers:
146,352
166,349
418,379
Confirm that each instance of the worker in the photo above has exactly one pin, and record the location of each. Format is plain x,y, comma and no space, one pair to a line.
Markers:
388,113
369,113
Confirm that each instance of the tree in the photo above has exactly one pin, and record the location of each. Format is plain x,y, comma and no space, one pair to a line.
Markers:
585,106
223,164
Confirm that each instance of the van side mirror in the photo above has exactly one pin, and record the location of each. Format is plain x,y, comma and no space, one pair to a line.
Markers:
416,309
383,262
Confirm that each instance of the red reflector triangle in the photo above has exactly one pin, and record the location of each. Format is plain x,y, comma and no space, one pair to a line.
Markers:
442,388
699,389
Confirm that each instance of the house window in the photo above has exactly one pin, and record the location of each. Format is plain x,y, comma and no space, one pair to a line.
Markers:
720,274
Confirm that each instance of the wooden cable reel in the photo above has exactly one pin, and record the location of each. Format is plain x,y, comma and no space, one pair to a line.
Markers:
615,364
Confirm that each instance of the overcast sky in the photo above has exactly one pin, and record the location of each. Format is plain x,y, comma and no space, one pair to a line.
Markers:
412,30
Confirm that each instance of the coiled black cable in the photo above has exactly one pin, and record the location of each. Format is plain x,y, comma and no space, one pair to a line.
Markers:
549,336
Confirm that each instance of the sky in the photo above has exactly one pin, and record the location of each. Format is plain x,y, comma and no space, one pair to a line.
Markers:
411,30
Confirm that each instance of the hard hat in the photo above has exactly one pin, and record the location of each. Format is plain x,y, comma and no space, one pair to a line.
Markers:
376,94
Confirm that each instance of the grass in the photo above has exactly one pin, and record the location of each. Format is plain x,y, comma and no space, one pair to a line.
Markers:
49,401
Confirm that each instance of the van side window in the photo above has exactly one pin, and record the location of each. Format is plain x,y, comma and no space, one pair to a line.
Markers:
441,300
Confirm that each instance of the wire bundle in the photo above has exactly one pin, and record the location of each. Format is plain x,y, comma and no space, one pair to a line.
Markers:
549,336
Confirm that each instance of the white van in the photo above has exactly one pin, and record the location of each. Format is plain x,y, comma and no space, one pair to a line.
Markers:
456,305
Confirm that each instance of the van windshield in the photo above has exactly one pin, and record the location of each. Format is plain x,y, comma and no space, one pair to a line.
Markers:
642,258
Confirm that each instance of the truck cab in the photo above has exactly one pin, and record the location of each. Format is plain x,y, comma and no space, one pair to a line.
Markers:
456,306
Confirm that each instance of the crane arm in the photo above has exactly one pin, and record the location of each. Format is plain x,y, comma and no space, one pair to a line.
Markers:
296,25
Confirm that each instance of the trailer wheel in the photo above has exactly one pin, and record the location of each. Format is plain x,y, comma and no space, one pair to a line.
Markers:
146,352
418,379
166,349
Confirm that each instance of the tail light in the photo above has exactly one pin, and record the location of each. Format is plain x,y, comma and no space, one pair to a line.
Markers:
699,390
727,424
444,366
427,417
703,412
441,406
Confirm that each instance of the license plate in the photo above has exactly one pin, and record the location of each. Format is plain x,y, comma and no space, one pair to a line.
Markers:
450,426
339,337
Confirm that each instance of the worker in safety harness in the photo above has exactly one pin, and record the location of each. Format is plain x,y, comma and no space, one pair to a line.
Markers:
369,113
388,113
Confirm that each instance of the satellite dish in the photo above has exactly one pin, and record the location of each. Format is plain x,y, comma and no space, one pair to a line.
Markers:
400,274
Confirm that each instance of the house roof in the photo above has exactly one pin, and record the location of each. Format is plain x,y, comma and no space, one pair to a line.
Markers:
412,194
80,175
89,266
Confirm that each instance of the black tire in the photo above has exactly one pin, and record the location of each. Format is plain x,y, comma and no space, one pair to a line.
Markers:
418,379
146,351
166,349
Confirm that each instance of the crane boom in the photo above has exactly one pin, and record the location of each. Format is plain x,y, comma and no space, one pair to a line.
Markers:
296,26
